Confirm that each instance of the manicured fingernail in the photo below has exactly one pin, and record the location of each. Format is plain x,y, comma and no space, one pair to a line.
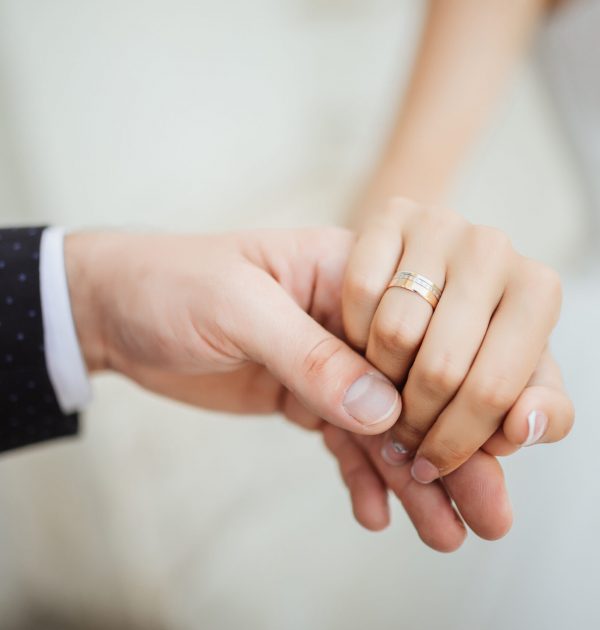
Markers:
371,399
393,452
537,422
424,471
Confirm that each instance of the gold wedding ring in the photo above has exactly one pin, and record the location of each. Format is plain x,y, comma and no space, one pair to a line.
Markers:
418,284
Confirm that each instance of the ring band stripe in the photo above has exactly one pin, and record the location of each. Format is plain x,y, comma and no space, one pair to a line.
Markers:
422,280
417,284
426,285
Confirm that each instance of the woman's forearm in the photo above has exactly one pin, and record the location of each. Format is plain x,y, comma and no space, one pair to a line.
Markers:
467,51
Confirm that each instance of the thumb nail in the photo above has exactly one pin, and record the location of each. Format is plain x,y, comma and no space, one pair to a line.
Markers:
371,399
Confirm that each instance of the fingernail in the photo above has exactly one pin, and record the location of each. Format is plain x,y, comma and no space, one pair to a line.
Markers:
424,471
370,399
393,452
538,423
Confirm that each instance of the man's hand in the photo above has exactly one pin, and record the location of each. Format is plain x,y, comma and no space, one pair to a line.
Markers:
243,322
477,490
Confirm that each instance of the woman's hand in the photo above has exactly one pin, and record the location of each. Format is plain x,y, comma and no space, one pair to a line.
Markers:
240,322
464,365
474,495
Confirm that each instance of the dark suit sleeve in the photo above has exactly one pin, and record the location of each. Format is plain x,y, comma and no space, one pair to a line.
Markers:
29,410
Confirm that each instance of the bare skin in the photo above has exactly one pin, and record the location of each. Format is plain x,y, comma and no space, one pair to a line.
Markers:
467,53
251,322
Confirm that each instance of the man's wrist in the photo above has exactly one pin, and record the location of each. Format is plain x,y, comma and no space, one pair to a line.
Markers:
85,268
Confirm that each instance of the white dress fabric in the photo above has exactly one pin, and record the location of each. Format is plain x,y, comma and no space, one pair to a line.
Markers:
209,115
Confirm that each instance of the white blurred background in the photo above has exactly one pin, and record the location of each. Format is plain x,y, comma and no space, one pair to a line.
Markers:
205,115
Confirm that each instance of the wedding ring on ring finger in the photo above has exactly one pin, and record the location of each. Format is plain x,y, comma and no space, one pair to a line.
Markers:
401,321
419,284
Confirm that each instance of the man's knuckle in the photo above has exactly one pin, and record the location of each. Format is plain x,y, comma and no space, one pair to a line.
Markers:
317,361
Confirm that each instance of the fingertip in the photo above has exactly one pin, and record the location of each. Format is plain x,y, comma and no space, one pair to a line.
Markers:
537,424
527,421
430,509
369,502
447,540
540,415
501,525
423,471
479,491
372,404
372,522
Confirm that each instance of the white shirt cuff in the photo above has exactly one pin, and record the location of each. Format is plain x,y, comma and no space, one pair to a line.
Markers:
64,360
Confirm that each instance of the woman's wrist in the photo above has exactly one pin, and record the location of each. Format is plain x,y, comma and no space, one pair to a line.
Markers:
412,168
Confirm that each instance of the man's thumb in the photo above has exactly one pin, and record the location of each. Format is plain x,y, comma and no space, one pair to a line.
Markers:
323,372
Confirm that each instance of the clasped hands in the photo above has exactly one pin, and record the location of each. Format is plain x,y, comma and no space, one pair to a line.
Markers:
412,400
